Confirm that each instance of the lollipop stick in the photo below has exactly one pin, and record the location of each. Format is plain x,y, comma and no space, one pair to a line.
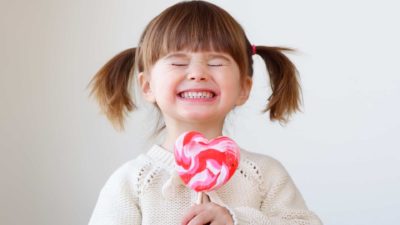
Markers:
202,198
199,198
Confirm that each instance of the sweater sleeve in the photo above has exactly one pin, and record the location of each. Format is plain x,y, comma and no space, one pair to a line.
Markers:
118,202
282,203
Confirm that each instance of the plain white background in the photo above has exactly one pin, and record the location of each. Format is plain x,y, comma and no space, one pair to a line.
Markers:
57,150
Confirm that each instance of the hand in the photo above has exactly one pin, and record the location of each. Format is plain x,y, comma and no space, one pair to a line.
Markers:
207,213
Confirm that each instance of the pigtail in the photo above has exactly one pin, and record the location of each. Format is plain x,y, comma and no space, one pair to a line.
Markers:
286,91
111,87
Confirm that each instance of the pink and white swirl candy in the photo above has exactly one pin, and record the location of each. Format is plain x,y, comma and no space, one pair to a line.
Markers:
205,165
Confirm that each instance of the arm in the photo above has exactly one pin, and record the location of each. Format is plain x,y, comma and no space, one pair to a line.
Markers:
282,203
282,207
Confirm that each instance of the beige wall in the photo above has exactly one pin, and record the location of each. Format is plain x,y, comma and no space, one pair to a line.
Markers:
57,150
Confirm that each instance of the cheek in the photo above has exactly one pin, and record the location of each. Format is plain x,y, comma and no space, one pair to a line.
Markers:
231,81
164,89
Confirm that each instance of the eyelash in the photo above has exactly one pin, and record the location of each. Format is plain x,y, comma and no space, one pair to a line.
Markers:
213,65
177,64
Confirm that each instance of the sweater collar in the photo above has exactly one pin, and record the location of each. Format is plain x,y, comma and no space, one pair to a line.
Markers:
162,155
171,188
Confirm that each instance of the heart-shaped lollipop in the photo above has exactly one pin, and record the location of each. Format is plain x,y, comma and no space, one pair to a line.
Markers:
205,165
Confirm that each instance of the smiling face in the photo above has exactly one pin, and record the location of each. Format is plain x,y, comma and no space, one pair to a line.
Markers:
195,87
195,63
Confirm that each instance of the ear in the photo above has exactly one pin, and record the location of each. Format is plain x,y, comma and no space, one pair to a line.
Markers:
145,87
245,91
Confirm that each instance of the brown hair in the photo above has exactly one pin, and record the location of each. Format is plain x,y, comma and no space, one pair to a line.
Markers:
194,26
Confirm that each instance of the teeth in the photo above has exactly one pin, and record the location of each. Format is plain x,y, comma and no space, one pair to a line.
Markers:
200,94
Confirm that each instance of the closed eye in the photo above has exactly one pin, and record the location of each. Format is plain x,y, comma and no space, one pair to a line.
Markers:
179,64
215,65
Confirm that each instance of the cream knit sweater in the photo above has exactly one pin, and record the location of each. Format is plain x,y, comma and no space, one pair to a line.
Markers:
146,190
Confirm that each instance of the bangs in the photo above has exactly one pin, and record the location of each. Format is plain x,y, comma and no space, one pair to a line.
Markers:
198,30
195,27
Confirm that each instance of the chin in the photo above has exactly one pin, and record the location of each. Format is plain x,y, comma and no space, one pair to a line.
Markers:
198,117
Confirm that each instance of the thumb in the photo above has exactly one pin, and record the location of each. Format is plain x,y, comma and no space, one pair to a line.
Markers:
205,198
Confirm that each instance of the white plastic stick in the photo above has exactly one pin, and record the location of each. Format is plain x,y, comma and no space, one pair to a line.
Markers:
199,198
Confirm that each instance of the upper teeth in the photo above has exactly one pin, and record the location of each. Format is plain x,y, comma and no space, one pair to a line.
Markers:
200,94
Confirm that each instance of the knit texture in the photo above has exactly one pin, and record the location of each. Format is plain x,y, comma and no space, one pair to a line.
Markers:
148,191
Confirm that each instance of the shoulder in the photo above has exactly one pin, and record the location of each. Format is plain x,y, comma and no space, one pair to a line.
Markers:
142,172
261,161
267,170
127,176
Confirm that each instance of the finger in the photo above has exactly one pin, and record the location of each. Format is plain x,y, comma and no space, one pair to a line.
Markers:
188,216
192,212
202,218
223,216
205,198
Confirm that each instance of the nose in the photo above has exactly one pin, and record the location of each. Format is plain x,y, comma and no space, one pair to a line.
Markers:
197,77
198,73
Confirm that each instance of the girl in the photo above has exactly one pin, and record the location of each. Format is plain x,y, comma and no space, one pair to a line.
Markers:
194,63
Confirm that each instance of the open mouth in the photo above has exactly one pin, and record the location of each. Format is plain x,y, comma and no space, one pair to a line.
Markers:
197,94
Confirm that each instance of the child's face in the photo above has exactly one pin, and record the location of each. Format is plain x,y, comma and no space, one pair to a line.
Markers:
195,87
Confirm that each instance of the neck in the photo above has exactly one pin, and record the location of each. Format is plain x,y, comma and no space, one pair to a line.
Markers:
174,129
